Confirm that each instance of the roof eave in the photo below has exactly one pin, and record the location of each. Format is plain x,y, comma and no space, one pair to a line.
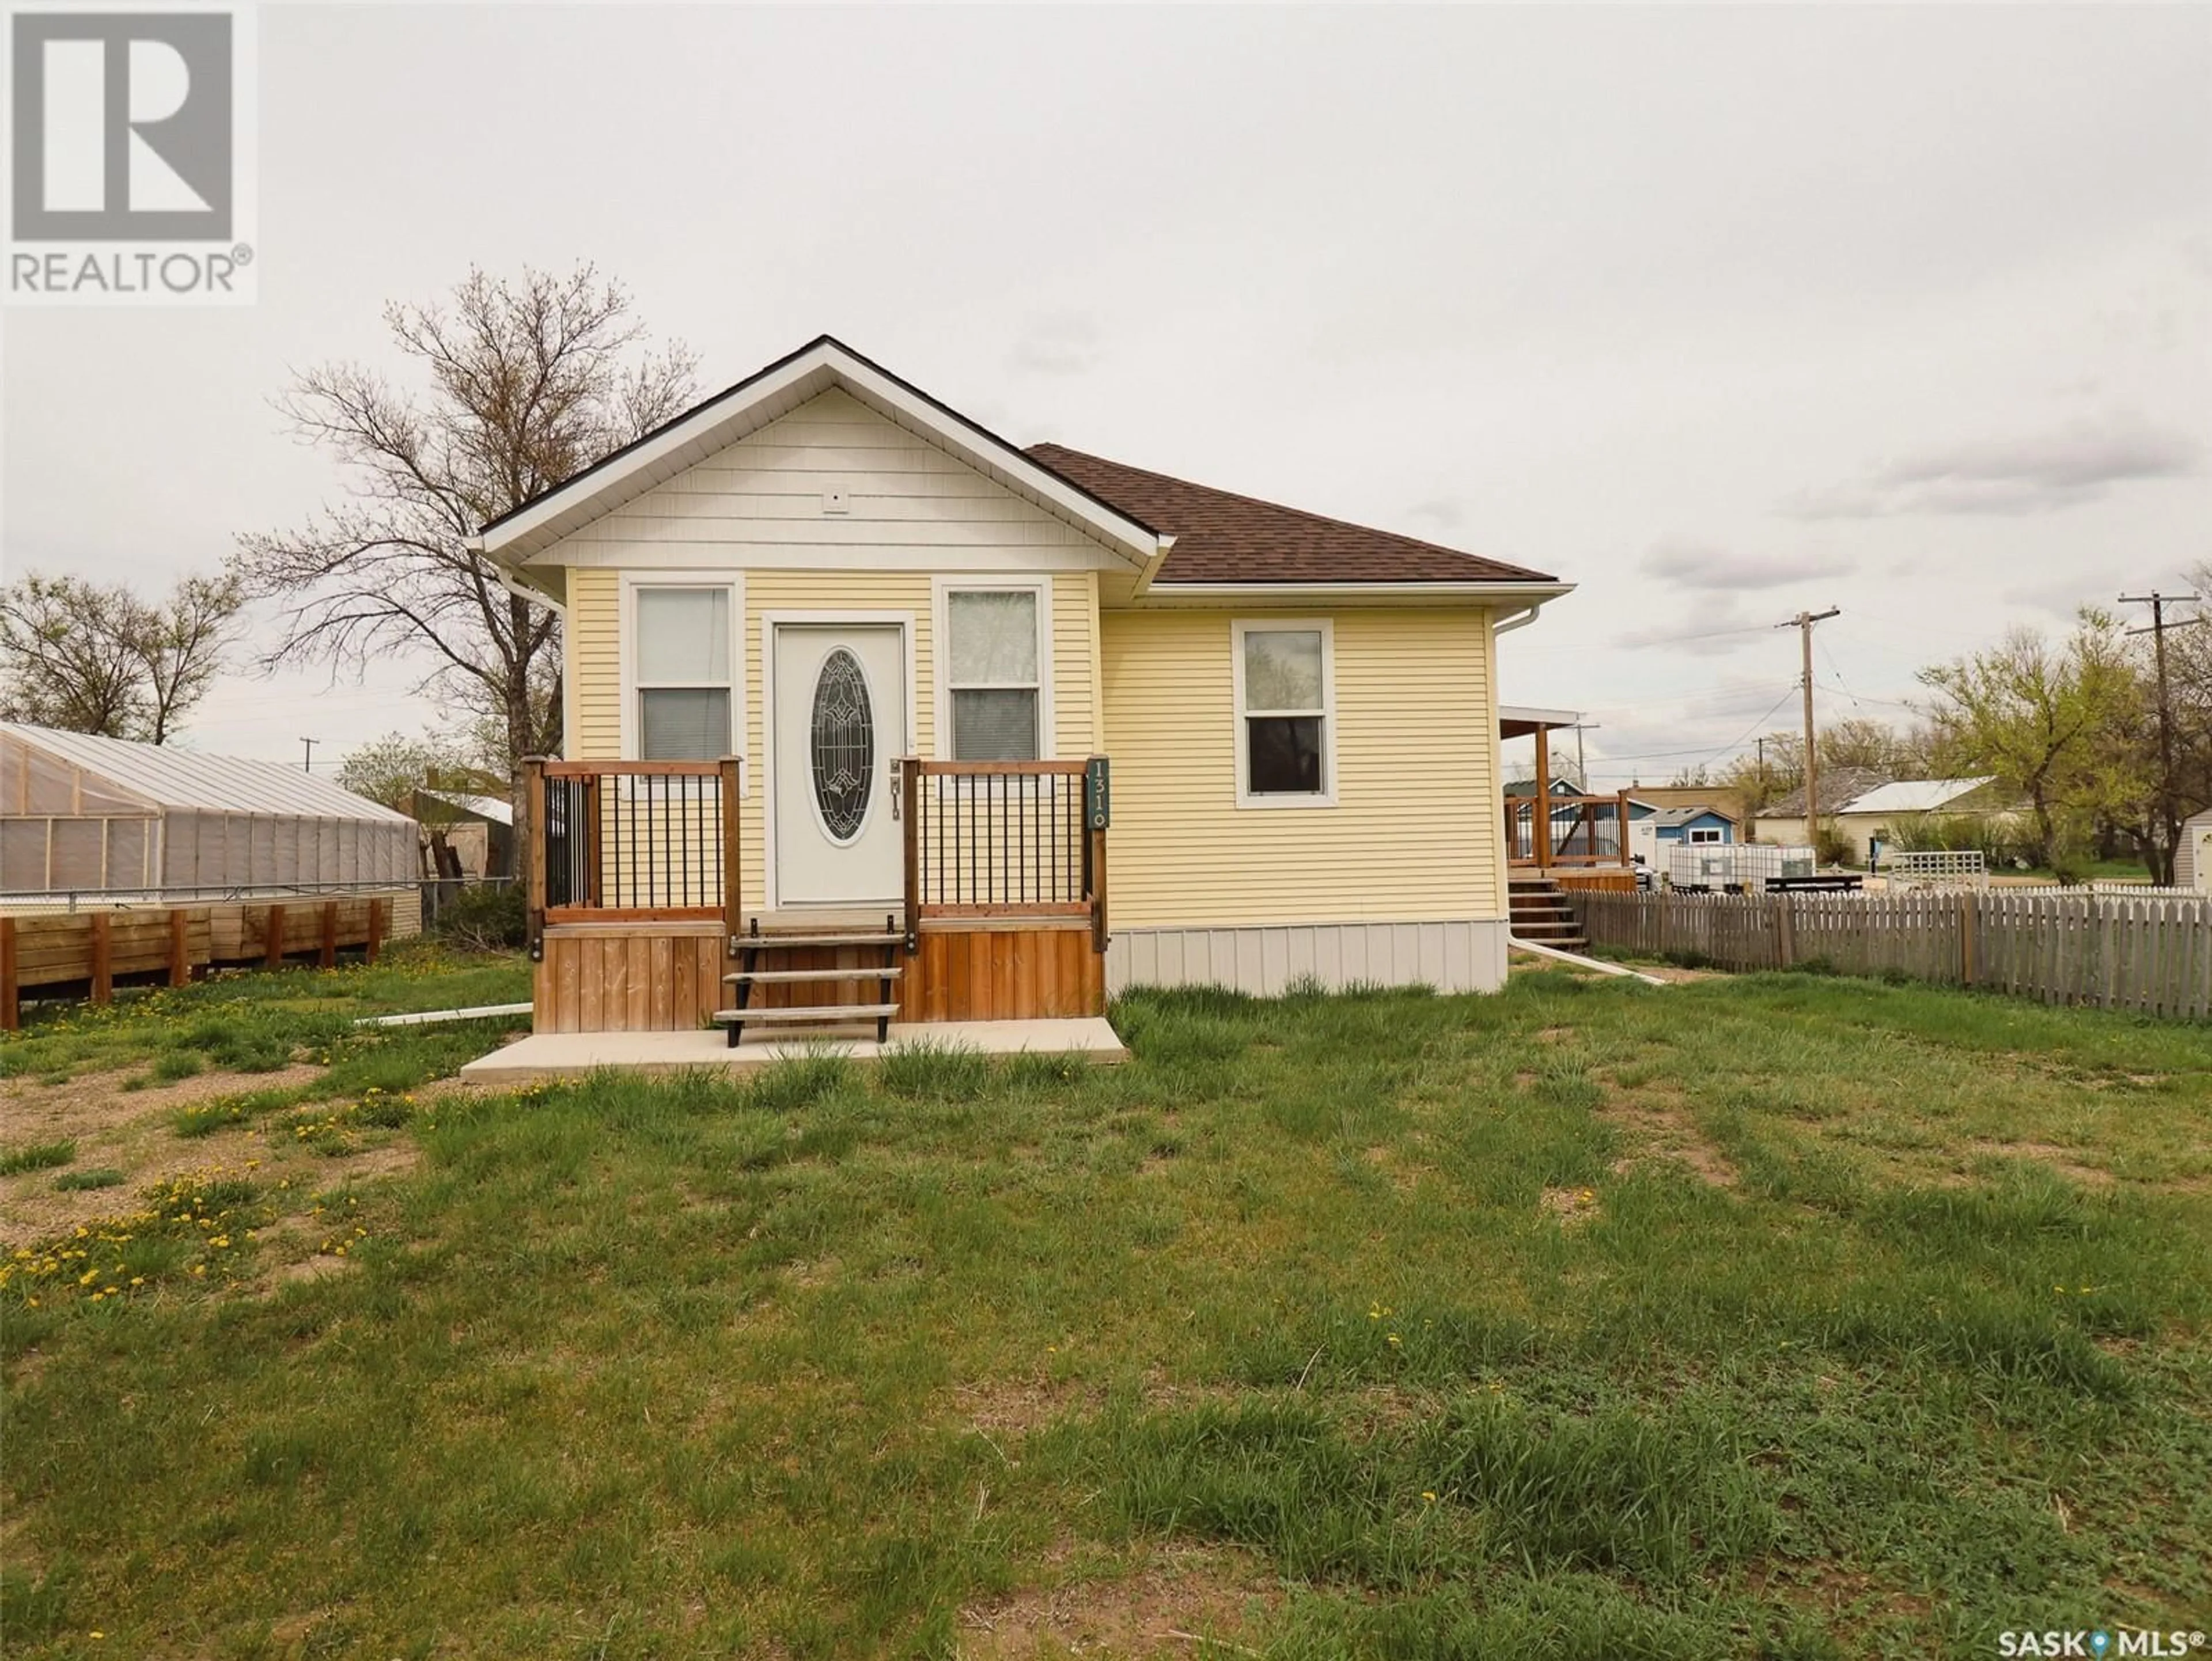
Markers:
1500,592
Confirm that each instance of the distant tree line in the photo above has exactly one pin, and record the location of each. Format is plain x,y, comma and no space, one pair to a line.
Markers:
2069,727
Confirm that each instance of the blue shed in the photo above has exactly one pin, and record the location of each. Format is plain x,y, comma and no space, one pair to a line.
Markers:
1650,829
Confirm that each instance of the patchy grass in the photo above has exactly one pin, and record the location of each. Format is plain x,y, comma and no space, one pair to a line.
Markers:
82,1181
1769,1315
254,1020
35,1156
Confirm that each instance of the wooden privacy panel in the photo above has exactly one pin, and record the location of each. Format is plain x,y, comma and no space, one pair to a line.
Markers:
39,950
667,977
1004,975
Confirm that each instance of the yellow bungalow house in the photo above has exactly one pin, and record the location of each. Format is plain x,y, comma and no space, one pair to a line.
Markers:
874,716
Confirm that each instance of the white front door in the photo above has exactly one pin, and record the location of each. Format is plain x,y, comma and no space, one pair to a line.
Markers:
840,726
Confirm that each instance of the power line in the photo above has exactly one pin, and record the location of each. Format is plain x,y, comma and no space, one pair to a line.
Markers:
1737,743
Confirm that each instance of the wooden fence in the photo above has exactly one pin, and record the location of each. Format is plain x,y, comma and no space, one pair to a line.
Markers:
2117,952
54,953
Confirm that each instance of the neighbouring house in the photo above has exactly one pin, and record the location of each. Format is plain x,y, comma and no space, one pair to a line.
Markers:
872,713
1727,799
464,835
1653,828
2192,855
1784,821
1873,818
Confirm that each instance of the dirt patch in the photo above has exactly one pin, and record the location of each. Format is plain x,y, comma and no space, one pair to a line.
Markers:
133,1132
1169,1604
1554,1034
2064,1160
1401,1175
1657,1123
1675,973
1573,1207
1016,1407
92,1103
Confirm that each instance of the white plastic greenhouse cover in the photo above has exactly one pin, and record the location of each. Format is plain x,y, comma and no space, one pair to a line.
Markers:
78,812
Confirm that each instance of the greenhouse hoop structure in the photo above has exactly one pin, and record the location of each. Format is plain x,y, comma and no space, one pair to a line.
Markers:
108,821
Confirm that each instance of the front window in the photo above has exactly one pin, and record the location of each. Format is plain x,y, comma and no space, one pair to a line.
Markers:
1283,698
682,674
1705,834
993,674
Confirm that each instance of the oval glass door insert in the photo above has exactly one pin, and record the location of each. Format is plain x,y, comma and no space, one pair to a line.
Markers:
843,731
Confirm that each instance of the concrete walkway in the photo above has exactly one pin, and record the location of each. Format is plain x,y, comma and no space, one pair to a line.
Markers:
570,1055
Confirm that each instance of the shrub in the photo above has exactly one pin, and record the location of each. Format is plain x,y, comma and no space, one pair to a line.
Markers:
485,917
1832,848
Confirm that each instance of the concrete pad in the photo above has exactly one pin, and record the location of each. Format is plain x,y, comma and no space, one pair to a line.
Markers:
572,1055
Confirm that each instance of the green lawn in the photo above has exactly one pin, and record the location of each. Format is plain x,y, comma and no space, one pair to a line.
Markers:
1772,1316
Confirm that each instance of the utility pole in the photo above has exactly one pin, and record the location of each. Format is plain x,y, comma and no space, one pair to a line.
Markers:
1581,772
2169,814
1802,623
308,761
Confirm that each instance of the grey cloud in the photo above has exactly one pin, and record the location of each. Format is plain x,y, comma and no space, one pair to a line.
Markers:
2036,474
1694,565
1715,633
1067,343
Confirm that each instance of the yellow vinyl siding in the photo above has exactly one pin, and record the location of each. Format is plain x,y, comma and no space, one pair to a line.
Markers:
764,496
1415,833
596,693
1074,625
593,671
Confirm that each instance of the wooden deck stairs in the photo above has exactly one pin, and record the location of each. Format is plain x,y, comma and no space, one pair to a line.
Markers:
838,996
1540,912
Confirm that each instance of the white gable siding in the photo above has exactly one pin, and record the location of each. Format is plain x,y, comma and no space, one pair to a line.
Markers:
760,503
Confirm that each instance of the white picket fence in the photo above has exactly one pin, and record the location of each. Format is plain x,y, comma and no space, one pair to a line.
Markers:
2152,954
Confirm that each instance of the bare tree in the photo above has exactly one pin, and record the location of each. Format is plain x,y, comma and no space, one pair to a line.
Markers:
94,658
524,383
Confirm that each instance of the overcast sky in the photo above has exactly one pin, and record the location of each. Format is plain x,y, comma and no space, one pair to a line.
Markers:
1716,312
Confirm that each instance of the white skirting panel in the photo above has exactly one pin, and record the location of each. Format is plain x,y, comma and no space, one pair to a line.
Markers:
1462,955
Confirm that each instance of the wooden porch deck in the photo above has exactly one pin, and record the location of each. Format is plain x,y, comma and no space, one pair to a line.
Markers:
638,921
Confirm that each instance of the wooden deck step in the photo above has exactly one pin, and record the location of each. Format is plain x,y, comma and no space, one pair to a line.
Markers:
838,1012
812,976
779,942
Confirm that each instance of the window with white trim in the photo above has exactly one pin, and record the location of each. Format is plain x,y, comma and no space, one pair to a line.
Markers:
994,673
1705,834
683,680
1283,698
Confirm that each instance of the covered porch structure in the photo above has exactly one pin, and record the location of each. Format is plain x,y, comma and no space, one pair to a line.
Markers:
1564,839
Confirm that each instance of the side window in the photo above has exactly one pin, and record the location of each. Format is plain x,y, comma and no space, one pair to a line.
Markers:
994,674
683,665
1284,686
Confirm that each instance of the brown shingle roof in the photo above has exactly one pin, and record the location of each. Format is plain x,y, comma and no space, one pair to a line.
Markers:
1221,538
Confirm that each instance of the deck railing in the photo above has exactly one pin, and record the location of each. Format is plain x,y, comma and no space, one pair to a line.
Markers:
643,841
1005,838
632,841
1577,830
